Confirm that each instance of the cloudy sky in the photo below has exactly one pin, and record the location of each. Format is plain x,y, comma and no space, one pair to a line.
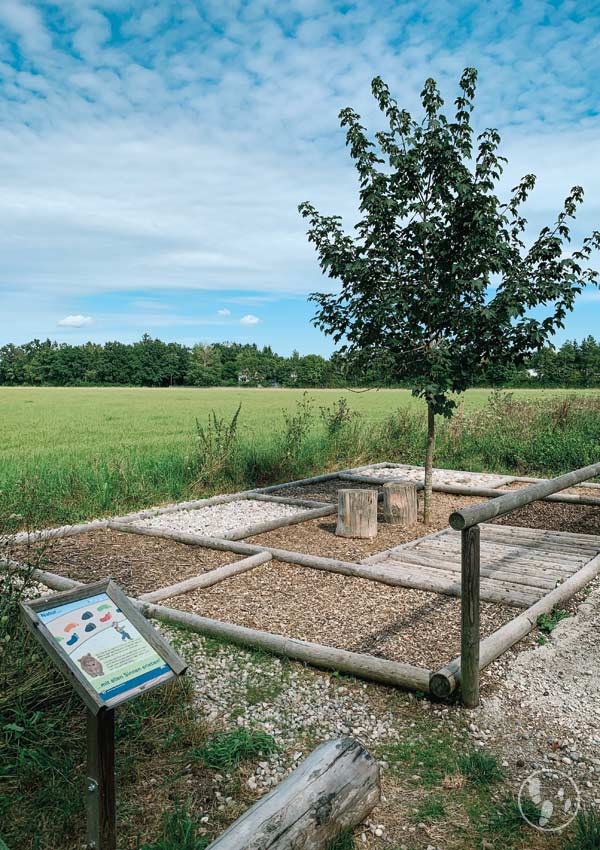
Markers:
152,154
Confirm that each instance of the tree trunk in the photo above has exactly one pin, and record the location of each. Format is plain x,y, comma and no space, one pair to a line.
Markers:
427,493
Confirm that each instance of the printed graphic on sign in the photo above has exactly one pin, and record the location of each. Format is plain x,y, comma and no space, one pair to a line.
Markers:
112,655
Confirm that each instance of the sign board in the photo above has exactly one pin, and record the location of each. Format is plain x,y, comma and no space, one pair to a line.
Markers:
102,643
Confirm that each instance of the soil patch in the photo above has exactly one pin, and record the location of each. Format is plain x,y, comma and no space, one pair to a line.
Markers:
138,564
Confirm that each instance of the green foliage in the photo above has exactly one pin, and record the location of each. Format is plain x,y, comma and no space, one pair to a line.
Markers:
436,281
546,623
225,750
480,768
179,831
585,834
422,754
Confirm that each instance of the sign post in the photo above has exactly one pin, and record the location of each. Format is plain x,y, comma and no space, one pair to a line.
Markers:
109,653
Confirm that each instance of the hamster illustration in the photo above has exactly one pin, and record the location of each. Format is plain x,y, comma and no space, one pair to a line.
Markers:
91,665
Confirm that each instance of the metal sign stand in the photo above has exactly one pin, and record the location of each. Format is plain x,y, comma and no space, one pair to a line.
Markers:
100,800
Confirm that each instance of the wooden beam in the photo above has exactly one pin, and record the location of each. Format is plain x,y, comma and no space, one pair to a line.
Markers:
207,579
511,500
334,789
327,657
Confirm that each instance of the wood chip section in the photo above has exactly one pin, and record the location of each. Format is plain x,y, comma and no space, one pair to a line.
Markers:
349,613
518,566
138,564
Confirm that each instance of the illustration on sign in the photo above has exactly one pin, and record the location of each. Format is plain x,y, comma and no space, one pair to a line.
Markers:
112,655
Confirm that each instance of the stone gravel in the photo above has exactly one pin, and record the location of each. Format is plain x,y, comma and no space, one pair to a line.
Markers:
216,520
440,476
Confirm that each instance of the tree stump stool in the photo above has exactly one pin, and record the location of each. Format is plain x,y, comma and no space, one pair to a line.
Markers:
357,513
400,503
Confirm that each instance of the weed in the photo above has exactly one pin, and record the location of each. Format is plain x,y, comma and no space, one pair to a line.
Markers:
546,623
179,831
225,750
586,832
217,444
507,820
430,809
422,754
480,768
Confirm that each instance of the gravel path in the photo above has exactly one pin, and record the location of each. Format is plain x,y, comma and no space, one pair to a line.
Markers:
216,520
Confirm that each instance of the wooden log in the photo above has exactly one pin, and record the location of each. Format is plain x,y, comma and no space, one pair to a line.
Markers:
207,579
326,657
513,499
400,503
55,533
469,616
288,500
443,682
357,513
334,789
281,522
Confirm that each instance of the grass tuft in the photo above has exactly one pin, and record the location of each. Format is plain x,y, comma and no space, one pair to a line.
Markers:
586,832
480,768
343,841
225,750
179,831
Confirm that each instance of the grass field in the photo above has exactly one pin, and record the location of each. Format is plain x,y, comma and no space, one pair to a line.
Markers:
70,453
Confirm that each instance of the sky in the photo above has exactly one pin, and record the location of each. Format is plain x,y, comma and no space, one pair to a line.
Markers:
153,154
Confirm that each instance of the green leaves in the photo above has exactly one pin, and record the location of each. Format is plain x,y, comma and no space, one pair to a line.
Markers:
435,278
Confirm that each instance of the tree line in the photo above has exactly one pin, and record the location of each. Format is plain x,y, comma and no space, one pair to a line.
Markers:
153,363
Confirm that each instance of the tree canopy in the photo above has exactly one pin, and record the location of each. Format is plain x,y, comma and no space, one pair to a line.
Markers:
436,280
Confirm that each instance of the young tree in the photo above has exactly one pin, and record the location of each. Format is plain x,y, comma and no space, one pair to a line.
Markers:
436,280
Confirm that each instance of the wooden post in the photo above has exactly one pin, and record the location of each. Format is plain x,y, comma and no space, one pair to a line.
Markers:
469,641
357,513
101,806
400,503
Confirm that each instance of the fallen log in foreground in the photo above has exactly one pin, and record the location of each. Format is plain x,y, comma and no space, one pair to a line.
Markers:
334,789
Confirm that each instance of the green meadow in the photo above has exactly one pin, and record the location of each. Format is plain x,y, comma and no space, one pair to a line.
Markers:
72,453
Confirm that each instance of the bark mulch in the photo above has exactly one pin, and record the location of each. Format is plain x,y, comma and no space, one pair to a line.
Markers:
137,564
349,613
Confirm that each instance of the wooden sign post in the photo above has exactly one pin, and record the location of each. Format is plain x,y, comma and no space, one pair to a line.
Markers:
110,654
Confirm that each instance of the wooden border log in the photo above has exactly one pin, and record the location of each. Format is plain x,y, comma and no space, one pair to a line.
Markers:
445,681
326,657
400,505
55,533
334,789
281,522
449,586
288,500
357,513
509,501
207,579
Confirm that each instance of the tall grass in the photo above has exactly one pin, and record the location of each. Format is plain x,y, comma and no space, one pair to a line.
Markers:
509,434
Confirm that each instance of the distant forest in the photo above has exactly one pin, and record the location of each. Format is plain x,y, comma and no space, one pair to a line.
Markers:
152,363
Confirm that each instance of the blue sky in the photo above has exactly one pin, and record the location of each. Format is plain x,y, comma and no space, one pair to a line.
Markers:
152,154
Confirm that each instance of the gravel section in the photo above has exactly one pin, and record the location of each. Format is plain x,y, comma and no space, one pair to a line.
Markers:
137,564
349,613
545,708
406,472
216,520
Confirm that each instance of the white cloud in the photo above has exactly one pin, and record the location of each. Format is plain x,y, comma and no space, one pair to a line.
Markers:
249,320
171,157
77,321
224,312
